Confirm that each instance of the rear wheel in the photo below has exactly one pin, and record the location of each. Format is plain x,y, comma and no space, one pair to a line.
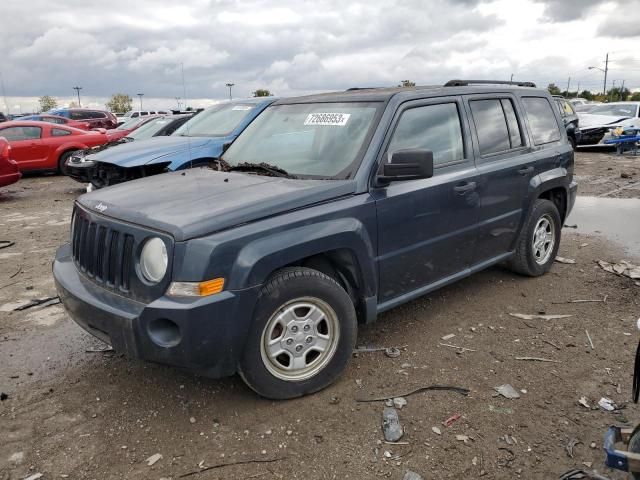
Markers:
62,169
634,447
302,337
539,240
572,142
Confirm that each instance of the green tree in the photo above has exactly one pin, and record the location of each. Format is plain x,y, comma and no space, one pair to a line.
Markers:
262,92
120,103
553,89
586,94
635,97
617,94
406,83
47,103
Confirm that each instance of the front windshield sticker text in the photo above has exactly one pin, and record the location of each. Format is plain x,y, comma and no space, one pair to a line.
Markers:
328,119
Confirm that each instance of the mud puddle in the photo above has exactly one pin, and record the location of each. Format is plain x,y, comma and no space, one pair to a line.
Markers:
617,219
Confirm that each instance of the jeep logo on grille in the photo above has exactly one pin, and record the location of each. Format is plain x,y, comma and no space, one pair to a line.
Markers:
101,207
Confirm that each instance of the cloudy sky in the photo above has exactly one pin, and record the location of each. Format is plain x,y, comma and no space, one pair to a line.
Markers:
294,47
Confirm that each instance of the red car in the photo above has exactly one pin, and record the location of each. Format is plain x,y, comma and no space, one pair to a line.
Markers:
82,125
95,118
46,146
9,172
127,127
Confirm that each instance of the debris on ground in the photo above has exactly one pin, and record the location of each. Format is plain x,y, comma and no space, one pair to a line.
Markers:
505,410
570,446
392,352
460,390
622,268
526,316
399,402
569,261
391,427
575,474
507,391
448,336
607,404
42,302
594,300
436,430
409,475
104,349
451,420
3,396
204,468
334,400
584,402
460,349
6,244
589,338
571,226
537,359
153,459
35,476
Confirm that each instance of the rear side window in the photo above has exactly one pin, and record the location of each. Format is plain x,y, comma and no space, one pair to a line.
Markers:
542,121
496,125
79,115
432,127
59,132
21,133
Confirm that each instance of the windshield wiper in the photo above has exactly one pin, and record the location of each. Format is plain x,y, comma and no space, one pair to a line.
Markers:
271,170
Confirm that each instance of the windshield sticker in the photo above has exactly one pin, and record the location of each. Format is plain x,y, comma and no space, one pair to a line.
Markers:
327,119
242,107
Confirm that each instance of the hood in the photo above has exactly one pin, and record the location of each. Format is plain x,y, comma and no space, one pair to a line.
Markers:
196,202
592,120
152,149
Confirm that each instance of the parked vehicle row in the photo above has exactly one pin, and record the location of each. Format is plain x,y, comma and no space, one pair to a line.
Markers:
95,118
324,212
597,125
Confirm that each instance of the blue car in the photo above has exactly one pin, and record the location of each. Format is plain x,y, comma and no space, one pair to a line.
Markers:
197,142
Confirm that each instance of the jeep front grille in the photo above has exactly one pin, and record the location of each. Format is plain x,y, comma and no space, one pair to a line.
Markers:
102,253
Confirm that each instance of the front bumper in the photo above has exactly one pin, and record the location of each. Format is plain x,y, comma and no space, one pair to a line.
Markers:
205,335
80,171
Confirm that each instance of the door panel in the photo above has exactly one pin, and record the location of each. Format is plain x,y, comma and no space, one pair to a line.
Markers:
427,227
503,178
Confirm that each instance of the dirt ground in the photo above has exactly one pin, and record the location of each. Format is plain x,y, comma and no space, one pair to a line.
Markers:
73,413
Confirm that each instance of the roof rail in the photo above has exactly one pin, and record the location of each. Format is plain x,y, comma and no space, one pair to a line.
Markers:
464,83
352,89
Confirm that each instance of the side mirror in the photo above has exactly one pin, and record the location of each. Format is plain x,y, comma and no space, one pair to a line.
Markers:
410,164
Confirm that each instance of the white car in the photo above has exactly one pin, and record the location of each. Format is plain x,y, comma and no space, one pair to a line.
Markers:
596,125
139,113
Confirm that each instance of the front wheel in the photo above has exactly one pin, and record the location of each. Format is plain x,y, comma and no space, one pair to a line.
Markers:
539,240
302,336
62,168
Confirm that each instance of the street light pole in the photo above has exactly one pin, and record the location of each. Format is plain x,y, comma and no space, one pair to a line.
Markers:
230,85
140,95
77,89
178,102
606,69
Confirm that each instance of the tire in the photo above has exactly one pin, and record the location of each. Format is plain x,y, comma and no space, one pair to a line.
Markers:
282,316
634,447
527,259
572,142
62,170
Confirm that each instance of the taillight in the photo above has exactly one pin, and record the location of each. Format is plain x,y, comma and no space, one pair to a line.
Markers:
6,152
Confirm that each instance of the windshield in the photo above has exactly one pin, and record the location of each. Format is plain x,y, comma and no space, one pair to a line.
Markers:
217,121
149,129
619,110
313,140
129,124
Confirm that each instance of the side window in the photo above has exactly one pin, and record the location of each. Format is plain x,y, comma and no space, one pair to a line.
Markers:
59,121
21,133
515,134
568,108
134,115
59,132
544,127
491,126
560,108
432,127
79,115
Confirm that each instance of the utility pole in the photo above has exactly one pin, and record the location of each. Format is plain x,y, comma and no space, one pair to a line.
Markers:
568,84
178,102
230,85
606,69
511,78
77,89
622,92
140,95
578,92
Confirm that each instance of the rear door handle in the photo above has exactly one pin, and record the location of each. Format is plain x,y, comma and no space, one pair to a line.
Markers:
526,170
467,187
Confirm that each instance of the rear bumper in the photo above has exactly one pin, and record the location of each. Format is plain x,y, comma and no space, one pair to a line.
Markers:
9,178
571,201
205,335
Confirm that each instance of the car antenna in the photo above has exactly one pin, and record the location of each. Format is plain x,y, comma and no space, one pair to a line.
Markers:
184,95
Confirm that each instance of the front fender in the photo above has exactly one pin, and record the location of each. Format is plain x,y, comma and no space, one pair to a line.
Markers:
68,147
259,259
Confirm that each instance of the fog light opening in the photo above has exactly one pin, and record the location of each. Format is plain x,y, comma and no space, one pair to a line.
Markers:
164,332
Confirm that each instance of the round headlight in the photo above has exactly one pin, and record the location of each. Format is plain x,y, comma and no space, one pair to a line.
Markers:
153,260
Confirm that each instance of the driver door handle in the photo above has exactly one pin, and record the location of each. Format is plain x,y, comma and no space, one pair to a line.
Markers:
464,188
526,170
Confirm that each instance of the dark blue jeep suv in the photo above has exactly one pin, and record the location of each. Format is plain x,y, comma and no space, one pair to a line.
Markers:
326,211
